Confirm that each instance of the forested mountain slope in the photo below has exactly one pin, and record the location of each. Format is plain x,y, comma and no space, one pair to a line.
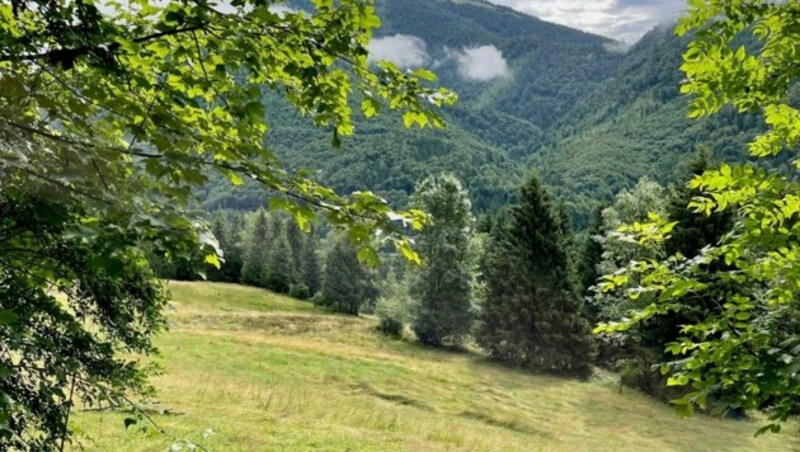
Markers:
634,124
550,66
502,116
533,96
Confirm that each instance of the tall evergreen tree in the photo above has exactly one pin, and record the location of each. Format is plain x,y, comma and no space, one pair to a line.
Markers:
694,230
255,250
294,238
443,286
310,270
347,285
531,317
278,263
592,251
484,223
232,247
226,231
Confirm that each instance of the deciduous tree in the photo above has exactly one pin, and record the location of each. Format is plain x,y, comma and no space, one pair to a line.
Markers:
743,354
443,286
119,113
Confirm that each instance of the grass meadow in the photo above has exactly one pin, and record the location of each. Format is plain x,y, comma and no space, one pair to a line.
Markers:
266,372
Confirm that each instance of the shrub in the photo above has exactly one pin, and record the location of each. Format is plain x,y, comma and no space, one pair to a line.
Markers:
299,291
394,307
393,315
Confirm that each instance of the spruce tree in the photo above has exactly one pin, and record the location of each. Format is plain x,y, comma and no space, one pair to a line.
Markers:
310,274
278,265
294,237
531,317
694,230
443,287
255,250
592,251
226,232
347,285
232,268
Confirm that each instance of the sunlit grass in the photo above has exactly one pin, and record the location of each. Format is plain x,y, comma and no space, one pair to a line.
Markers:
265,372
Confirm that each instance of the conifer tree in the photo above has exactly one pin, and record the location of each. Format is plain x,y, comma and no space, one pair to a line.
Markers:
443,287
531,317
232,247
278,262
310,270
592,251
226,231
255,250
347,285
694,230
294,237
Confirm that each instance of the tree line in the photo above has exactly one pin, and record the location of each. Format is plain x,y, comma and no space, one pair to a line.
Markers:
519,284
524,288
267,249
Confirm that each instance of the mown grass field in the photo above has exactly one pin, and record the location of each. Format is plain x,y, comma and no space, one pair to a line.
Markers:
265,372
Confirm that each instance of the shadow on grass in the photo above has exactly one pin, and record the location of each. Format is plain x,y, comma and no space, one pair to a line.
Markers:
366,388
508,424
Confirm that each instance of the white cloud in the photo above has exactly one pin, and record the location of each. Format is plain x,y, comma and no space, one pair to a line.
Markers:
623,20
281,9
403,50
481,63
617,47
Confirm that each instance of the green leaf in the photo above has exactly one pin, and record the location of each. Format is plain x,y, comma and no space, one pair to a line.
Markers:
407,252
425,74
8,317
743,316
213,260
368,256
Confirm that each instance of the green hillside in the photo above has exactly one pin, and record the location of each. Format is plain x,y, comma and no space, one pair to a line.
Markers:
496,124
634,124
590,120
266,372
552,66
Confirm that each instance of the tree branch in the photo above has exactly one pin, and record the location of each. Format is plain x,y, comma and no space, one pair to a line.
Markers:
67,55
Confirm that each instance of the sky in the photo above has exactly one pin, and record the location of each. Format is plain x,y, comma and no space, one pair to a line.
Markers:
623,20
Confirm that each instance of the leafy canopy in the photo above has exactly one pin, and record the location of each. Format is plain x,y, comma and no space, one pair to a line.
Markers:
111,115
444,285
744,351
128,106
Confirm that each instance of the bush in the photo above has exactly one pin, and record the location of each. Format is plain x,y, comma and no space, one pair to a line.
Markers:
394,307
299,291
391,326
393,314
